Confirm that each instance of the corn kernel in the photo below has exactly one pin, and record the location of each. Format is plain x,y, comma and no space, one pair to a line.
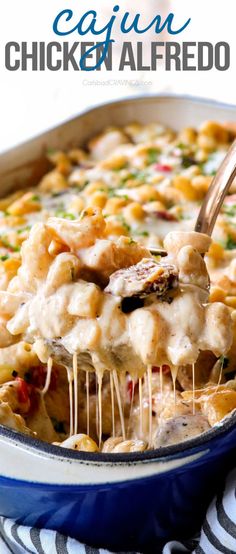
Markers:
187,136
231,301
216,251
95,186
206,143
215,130
76,205
147,193
217,294
155,206
5,202
115,205
98,199
53,181
184,185
202,183
10,267
115,162
115,228
134,211
24,205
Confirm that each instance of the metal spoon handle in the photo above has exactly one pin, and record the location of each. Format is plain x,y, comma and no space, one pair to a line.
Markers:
216,193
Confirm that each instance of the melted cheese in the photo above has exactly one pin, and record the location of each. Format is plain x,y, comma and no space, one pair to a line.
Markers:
87,401
112,404
71,403
75,378
118,396
48,377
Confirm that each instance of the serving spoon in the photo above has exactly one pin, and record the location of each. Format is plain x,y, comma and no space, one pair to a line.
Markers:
214,198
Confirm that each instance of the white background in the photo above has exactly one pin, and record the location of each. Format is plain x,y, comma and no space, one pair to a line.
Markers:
33,101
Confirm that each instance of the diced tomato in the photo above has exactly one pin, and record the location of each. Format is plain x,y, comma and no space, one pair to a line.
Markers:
23,390
163,167
131,386
166,216
130,389
165,369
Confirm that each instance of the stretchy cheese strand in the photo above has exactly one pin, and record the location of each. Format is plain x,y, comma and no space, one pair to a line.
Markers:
99,410
87,400
75,375
193,384
112,404
140,391
48,377
117,389
70,381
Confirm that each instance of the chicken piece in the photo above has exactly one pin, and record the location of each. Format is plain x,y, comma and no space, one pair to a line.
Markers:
81,233
192,268
144,278
218,405
85,300
106,257
13,421
179,429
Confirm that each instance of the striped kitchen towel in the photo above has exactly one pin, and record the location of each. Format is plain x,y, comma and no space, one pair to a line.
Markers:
218,534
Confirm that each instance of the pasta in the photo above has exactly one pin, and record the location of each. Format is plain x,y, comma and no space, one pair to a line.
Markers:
104,347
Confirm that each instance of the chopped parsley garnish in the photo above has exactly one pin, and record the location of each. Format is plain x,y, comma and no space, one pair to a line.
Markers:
35,198
121,218
136,175
8,245
230,243
23,229
152,155
64,215
141,233
230,211
181,146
